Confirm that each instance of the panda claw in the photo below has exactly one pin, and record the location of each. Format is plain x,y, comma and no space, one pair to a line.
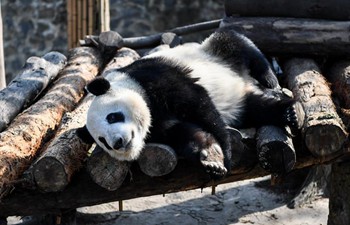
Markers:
291,117
204,154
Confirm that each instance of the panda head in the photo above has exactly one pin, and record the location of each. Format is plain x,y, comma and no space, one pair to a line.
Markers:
118,119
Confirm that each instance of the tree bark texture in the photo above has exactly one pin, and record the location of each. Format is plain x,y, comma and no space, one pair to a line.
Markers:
290,36
26,86
339,75
66,152
25,135
321,9
323,131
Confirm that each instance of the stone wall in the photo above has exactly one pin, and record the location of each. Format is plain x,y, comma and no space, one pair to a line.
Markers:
33,28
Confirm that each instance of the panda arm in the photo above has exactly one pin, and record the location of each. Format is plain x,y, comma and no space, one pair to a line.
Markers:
260,68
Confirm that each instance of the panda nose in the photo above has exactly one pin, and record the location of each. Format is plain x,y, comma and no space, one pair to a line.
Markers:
119,143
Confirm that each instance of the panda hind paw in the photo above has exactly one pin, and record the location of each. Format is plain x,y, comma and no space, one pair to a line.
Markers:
212,160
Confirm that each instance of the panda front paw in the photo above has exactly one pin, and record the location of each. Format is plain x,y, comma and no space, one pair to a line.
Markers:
212,160
291,117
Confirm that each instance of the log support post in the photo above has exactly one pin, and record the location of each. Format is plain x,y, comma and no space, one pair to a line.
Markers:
339,199
323,130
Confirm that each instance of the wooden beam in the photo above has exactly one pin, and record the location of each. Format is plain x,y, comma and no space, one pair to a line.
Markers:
320,9
291,36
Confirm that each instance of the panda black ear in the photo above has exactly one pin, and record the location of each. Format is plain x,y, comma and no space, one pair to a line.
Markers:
85,135
98,86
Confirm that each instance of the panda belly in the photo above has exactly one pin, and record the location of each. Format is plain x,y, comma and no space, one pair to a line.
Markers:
225,87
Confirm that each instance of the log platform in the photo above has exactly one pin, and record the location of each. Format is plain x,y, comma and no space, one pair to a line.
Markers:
43,162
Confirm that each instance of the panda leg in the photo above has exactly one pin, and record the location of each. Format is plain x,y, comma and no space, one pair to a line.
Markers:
241,53
270,108
193,143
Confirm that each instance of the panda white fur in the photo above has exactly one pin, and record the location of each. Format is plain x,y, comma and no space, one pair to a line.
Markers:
185,97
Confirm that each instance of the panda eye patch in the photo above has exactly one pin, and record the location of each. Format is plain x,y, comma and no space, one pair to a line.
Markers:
116,117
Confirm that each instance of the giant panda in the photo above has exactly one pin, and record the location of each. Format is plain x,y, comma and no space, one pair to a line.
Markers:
186,97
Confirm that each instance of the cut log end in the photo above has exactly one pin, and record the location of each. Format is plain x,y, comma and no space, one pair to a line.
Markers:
277,157
157,160
106,171
324,140
275,150
49,175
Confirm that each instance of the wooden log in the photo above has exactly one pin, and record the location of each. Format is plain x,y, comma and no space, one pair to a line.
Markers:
339,200
338,73
157,160
315,184
323,131
321,9
82,191
110,42
339,207
21,141
155,39
26,86
106,171
64,156
290,36
170,39
275,150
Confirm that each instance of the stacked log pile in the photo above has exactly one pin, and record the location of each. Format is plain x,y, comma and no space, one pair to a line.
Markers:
43,161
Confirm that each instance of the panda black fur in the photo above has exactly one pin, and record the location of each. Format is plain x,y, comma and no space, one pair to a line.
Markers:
186,97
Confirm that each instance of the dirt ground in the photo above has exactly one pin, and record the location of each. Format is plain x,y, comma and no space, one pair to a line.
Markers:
245,202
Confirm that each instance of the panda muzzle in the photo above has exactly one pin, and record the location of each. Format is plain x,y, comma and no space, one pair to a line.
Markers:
121,143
